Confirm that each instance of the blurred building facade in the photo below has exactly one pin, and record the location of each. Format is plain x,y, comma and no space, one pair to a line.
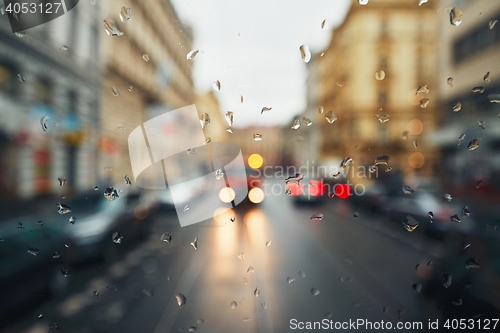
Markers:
216,130
469,51
52,71
146,88
396,37
270,147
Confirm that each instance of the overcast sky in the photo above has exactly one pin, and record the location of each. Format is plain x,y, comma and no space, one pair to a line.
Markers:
252,48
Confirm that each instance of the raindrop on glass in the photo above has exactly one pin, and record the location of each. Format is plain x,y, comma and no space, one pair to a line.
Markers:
56,255
447,197
472,263
455,16
363,2
295,124
125,13
314,291
465,211
62,181
422,89
194,243
424,102
417,288
466,246
72,220
233,305
229,117
415,143
112,29
268,243
305,53
460,139
216,85
380,160
431,216
191,151
302,274
306,121
66,272
410,223
455,218
127,181
43,121
404,135
130,88
380,75
457,106
421,2
408,190
383,118
486,77
290,279
96,294
450,81
145,57
33,251
192,54
229,130
265,109
181,299
317,217
63,209
457,302
204,120
481,124
264,306
116,237
447,280
257,137
478,89
250,270
115,91
219,174
492,23
330,117
473,145
111,194
207,140
166,237
148,292
256,292
324,25
241,256
20,34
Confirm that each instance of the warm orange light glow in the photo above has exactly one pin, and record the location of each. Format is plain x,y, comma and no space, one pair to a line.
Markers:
415,127
416,160
255,161
141,212
226,194
256,195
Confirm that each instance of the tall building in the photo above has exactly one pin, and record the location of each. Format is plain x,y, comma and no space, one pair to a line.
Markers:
147,65
468,52
52,71
370,73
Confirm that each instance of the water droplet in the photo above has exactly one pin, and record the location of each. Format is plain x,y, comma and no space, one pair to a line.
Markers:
148,292
192,54
229,117
380,75
256,292
302,274
465,211
472,263
450,81
408,190
447,197
72,220
486,77
355,214
404,135
245,281
117,238
111,194
166,237
265,109
314,291
200,321
290,279
458,302
241,98
317,217
207,140
181,299
363,2
383,118
306,121
479,183
96,188
115,91
295,124
219,174
229,130
431,216
130,88
324,25
216,85
112,29
417,288
330,117
56,255
492,23
194,243
43,121
191,151
478,89
96,294
447,279
20,34
380,160
297,179
145,57
455,16
112,287
481,124
457,106
241,256
305,53
250,270
67,244
460,139
268,243
421,2
125,14
288,192
466,246
204,120
455,218
257,137
33,251
63,209
264,306
410,223
65,271
424,102
422,89
20,225
233,305
473,145
415,143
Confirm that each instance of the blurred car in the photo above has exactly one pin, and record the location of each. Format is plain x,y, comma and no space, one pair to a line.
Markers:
108,224
310,193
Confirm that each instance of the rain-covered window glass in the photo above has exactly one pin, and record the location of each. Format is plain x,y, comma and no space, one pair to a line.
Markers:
8,78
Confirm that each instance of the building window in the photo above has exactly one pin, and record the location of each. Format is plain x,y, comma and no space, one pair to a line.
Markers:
382,99
475,42
44,91
8,78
